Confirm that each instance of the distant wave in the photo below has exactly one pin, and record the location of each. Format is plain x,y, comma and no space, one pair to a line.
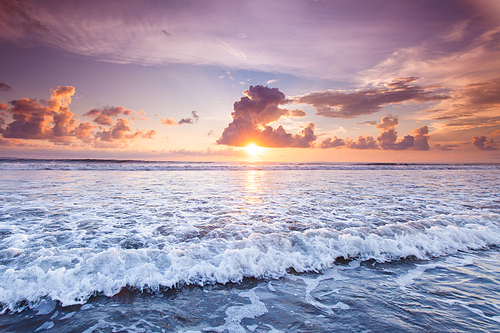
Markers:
15,164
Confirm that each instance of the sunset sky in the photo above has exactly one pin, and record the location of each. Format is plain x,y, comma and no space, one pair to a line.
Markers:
306,81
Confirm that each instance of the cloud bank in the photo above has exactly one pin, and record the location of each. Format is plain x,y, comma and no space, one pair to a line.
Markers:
53,121
387,139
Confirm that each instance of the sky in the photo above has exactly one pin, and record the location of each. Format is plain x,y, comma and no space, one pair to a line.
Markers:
286,80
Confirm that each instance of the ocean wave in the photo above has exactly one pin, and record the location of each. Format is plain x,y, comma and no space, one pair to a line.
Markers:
72,276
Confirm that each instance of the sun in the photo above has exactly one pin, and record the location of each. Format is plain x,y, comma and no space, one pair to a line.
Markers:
253,150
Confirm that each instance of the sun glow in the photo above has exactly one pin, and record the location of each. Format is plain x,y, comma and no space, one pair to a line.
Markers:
253,150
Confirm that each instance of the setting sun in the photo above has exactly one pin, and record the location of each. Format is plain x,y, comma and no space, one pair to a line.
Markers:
253,150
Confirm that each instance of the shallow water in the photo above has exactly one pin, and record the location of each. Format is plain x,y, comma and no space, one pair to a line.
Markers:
248,248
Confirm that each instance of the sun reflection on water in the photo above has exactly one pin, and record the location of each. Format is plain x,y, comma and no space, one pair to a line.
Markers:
254,187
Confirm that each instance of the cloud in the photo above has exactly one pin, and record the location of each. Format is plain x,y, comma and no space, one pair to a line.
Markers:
465,62
346,33
169,122
362,143
368,122
336,104
445,147
103,116
52,121
252,115
148,134
33,120
118,132
297,113
483,143
387,139
474,106
190,120
5,87
332,143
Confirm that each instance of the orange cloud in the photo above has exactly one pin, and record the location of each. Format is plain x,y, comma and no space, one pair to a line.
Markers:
252,115
168,122
33,120
53,121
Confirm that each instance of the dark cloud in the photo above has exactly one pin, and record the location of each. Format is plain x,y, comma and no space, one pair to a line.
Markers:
335,104
252,115
387,139
483,143
5,87
103,116
190,120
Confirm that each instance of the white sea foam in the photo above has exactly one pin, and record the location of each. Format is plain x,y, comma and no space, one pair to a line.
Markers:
235,314
65,236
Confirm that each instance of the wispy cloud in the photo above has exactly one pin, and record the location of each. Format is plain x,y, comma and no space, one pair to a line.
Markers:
234,34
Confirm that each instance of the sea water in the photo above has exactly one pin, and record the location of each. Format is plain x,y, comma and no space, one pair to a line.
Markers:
134,246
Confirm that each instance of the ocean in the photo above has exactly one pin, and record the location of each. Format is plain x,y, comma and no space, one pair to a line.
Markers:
137,246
